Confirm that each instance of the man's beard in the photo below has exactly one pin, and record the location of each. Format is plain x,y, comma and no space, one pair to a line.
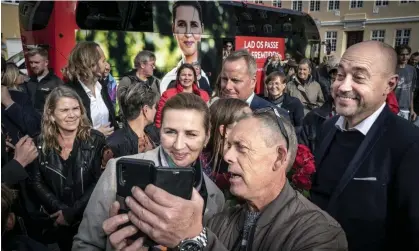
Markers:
40,73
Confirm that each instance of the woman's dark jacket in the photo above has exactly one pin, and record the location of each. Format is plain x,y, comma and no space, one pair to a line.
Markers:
20,118
76,86
312,125
67,185
294,107
124,141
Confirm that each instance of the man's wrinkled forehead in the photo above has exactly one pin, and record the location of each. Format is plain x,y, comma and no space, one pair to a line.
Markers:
358,63
244,132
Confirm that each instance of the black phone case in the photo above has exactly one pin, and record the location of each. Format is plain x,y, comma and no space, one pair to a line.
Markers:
138,172
129,173
176,181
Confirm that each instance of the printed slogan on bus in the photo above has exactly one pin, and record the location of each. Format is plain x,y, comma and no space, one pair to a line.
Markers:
261,48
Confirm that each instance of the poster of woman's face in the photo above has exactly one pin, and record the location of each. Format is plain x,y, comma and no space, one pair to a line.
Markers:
187,29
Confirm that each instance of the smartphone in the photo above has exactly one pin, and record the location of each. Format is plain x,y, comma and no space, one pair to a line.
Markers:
132,172
176,181
139,172
129,173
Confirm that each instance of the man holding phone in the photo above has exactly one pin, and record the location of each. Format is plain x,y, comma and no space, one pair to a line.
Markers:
274,217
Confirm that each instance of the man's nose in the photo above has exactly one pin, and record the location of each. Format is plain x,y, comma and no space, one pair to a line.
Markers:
346,84
229,156
229,85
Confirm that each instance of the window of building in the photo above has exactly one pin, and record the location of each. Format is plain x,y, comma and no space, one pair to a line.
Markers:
297,5
331,37
381,3
378,35
315,5
411,1
402,37
356,4
259,2
277,3
333,5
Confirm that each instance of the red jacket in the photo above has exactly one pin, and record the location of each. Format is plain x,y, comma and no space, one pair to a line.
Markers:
172,92
392,102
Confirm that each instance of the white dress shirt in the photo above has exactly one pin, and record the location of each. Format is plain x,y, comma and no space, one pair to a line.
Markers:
250,98
98,110
362,127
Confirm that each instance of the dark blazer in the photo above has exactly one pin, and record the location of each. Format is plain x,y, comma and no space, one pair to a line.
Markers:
381,212
259,103
76,86
20,118
294,108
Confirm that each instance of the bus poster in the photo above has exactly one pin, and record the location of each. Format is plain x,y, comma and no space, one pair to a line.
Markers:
261,48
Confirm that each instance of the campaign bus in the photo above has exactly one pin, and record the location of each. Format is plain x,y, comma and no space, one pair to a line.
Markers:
124,28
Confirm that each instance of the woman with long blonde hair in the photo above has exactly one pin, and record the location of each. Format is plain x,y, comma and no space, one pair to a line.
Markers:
86,65
68,165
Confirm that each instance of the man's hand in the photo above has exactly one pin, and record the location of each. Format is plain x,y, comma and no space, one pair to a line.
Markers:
413,115
165,218
60,221
6,99
25,151
106,129
118,238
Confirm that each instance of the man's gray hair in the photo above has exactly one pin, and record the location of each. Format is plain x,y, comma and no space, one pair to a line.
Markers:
143,57
271,133
244,54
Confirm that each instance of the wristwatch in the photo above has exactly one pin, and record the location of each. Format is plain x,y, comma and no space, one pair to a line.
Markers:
197,243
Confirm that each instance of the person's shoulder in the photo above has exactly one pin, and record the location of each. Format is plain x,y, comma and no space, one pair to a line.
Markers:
293,100
18,95
410,68
313,225
96,135
262,101
228,217
170,92
152,155
204,95
396,124
314,213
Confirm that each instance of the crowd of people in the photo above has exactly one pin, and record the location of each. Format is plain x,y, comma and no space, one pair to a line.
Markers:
61,140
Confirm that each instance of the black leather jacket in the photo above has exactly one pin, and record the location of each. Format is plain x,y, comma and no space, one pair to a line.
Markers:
56,189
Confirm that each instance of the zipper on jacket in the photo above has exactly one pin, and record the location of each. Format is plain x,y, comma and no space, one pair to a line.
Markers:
55,171
81,175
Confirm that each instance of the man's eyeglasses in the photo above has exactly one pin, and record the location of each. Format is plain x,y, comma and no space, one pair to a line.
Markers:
278,117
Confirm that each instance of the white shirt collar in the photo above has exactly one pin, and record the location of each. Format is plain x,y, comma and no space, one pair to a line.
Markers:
98,86
250,98
362,127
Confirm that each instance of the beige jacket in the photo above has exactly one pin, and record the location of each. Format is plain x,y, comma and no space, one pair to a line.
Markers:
312,90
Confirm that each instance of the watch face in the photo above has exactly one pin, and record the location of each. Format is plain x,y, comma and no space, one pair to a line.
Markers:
191,245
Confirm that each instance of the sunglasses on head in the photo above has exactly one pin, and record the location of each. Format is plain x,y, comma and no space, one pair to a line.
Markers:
278,117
